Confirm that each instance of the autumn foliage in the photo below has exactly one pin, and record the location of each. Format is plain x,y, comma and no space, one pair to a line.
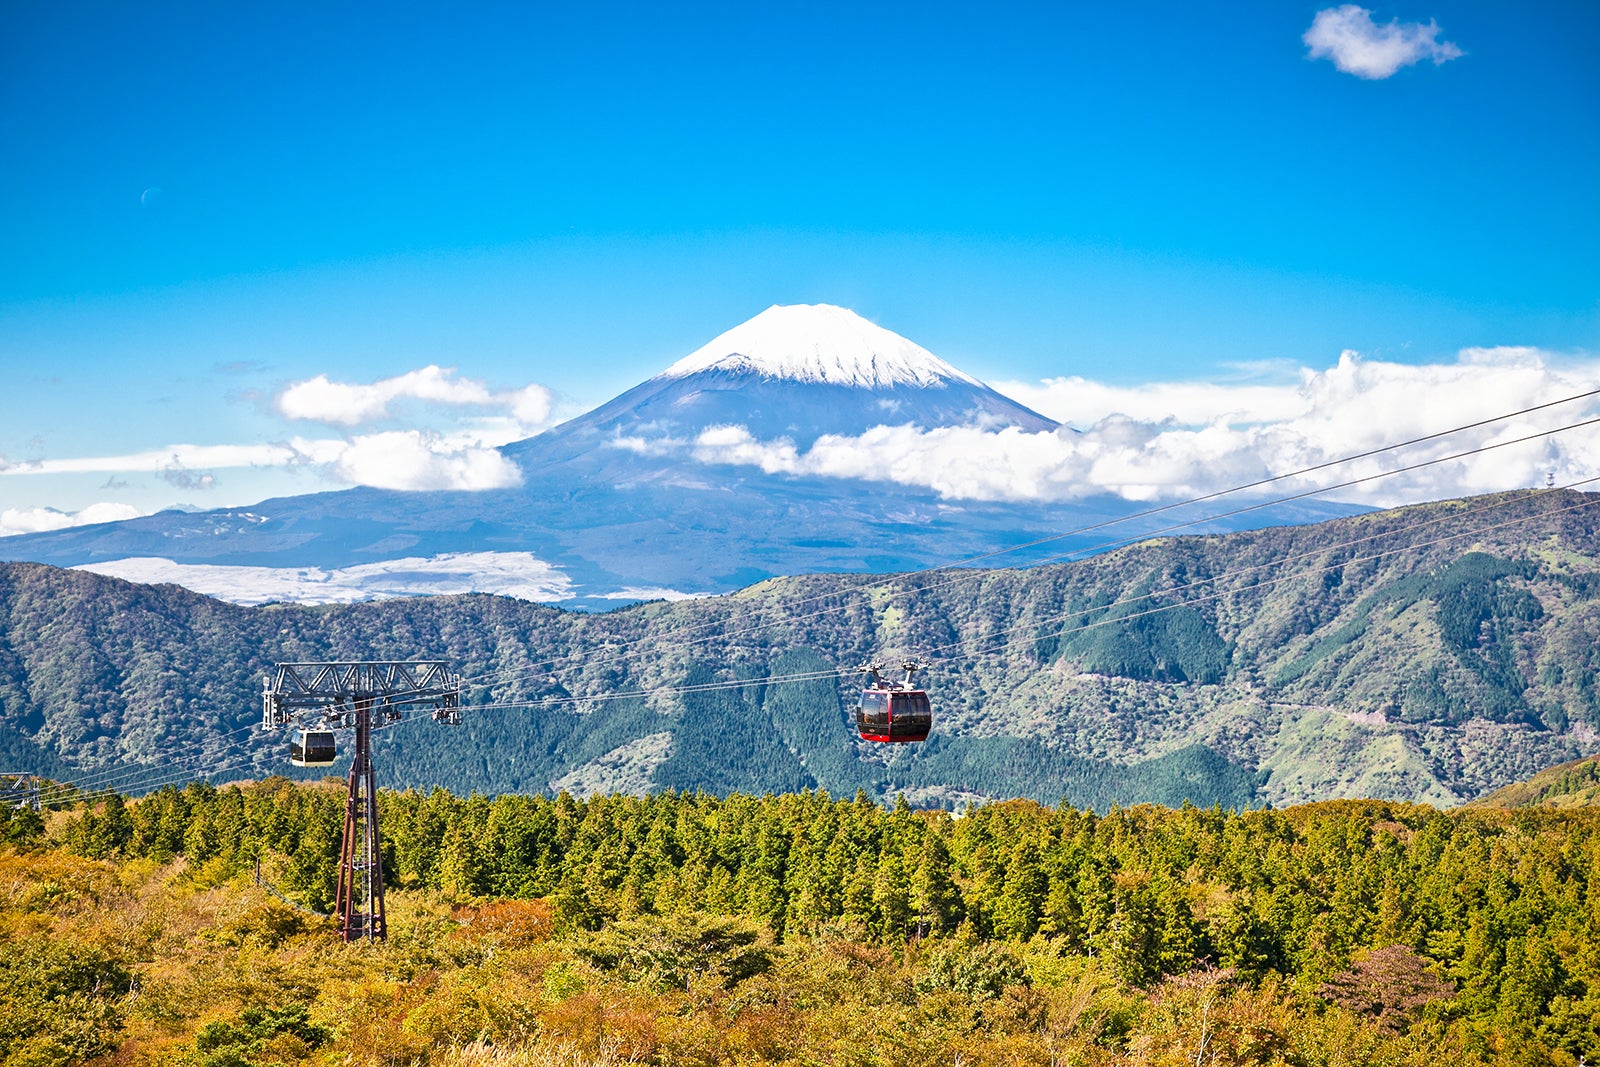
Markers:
684,929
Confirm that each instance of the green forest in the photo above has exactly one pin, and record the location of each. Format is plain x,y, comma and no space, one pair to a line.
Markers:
685,928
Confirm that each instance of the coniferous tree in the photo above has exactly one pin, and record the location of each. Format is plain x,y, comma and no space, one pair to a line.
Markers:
935,896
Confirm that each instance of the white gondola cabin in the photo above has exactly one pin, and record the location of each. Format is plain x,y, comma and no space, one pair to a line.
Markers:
312,748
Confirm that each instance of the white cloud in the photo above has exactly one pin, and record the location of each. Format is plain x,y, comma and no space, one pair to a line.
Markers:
1347,35
642,445
396,459
1080,401
349,404
649,592
531,405
461,454
735,444
518,574
321,399
411,459
37,520
173,457
1176,439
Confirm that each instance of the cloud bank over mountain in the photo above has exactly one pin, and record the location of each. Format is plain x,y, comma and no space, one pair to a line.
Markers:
417,460
1190,437
1140,442
426,429
37,520
1169,440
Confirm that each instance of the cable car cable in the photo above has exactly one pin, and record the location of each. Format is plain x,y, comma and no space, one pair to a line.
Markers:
269,887
105,777
246,759
1317,552
1033,624
95,778
1304,470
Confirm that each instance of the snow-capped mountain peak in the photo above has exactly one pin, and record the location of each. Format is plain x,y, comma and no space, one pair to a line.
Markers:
819,343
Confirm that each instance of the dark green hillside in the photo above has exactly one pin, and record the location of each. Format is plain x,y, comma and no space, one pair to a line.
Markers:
1478,614
1174,644
1432,653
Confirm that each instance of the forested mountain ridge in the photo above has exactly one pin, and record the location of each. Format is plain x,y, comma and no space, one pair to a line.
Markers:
1425,653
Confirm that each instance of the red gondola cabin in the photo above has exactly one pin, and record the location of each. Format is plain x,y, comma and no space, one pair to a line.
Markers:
893,711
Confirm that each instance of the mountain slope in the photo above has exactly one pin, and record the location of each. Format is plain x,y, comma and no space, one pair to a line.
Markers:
1575,784
1430,653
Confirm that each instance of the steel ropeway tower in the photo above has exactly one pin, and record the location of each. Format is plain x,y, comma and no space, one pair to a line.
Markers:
364,696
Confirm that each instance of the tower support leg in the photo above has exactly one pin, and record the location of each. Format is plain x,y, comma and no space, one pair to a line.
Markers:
360,895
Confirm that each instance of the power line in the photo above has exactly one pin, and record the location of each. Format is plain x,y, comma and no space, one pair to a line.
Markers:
104,774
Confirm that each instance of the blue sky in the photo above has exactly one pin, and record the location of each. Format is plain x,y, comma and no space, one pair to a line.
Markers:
203,204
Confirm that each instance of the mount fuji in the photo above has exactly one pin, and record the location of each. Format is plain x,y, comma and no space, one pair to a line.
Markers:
793,375
689,483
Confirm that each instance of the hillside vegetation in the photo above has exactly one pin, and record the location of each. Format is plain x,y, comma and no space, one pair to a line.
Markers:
677,929
1570,785
1430,653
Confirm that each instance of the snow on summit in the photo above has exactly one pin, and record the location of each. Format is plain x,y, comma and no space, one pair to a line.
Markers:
819,343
